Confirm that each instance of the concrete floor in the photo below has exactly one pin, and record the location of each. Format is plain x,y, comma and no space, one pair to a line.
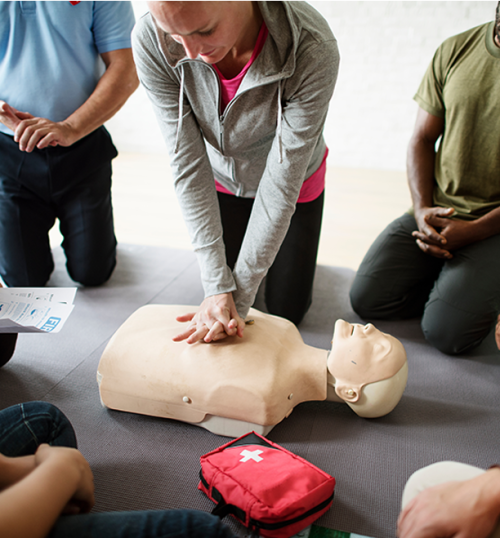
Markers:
359,204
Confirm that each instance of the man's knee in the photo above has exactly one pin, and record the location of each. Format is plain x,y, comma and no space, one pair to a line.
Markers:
454,331
365,298
92,272
22,269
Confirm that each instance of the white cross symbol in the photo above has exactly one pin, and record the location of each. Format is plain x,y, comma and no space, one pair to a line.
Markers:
254,455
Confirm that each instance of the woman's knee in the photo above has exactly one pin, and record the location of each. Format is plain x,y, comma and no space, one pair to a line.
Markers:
293,313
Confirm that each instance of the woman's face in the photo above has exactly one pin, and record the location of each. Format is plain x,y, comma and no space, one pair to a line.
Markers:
205,29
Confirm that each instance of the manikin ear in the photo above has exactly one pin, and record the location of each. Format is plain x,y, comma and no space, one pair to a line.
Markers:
380,398
348,393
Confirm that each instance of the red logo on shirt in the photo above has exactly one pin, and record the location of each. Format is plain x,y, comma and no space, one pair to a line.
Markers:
74,3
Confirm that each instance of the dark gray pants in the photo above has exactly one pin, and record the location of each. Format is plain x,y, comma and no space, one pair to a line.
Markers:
458,299
289,281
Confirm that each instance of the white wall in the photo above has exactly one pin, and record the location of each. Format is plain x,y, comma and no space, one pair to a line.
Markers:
385,48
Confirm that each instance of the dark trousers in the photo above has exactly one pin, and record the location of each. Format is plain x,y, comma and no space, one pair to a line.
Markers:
7,346
458,299
289,282
72,184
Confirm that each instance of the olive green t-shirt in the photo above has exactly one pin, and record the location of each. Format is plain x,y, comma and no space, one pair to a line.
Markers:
462,85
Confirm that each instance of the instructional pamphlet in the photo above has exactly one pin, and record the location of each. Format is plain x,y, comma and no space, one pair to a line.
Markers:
35,310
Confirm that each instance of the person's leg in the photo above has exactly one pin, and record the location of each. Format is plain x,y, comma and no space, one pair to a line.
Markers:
463,305
144,524
7,347
439,473
25,426
81,193
289,281
395,277
25,216
86,223
235,214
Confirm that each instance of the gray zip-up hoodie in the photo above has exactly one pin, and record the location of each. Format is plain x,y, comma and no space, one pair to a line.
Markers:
264,145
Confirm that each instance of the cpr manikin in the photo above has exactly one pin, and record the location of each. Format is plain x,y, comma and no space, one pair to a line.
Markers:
252,383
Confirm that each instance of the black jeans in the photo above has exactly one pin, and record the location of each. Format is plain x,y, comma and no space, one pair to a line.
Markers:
289,281
72,184
458,299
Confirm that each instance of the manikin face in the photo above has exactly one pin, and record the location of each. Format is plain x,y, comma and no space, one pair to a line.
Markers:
361,354
208,30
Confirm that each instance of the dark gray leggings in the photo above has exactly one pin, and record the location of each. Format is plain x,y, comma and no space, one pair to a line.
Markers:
458,299
289,281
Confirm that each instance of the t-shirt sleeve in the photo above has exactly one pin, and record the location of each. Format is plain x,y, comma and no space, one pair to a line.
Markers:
113,23
430,92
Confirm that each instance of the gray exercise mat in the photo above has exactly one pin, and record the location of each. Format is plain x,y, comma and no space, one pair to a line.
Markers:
450,409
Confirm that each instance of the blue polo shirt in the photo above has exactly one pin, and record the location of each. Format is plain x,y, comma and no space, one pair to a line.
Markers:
49,52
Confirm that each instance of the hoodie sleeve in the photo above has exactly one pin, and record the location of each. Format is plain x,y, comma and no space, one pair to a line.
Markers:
193,175
304,103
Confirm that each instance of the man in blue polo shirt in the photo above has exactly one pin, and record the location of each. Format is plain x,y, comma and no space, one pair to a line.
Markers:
65,68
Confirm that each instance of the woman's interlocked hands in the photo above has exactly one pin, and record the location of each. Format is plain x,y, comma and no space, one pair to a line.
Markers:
217,318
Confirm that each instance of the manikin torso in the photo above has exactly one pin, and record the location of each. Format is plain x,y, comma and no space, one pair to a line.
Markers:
250,383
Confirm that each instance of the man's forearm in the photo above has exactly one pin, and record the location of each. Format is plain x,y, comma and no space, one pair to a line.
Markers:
487,225
420,171
112,91
489,484
421,158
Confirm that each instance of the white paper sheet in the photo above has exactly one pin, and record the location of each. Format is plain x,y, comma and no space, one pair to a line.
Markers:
35,310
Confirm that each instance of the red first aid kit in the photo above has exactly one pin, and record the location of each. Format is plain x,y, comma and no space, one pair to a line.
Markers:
270,490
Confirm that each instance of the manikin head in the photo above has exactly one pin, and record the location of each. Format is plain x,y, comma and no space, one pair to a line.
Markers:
367,368
209,30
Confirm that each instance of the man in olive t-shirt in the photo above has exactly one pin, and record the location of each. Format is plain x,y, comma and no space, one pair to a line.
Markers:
441,261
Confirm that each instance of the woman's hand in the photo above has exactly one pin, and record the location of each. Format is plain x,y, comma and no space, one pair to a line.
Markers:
216,319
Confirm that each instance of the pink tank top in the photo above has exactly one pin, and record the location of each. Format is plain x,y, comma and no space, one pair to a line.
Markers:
314,185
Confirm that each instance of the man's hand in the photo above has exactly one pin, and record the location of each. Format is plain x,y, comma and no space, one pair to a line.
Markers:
428,237
439,235
72,465
216,319
467,509
31,132
41,133
11,117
